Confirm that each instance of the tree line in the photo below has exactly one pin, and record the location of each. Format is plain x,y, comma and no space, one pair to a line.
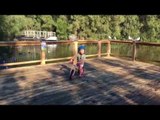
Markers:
147,27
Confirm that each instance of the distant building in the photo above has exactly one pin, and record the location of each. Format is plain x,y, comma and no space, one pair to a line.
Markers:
36,35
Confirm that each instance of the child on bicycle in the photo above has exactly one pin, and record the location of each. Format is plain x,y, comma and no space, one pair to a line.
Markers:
79,58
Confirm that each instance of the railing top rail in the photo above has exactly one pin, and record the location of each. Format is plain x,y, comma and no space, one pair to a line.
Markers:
148,43
137,42
120,41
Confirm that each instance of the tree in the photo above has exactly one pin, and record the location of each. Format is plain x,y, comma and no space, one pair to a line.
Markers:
131,27
46,22
84,26
12,25
103,26
61,24
153,25
32,22
115,22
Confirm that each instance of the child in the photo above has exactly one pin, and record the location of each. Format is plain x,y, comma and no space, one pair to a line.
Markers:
79,59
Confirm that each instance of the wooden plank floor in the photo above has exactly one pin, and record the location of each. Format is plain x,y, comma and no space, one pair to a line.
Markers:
107,81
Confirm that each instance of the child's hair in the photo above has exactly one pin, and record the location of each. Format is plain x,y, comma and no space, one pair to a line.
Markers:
81,47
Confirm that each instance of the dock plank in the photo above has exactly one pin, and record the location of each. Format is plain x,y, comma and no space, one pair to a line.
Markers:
107,81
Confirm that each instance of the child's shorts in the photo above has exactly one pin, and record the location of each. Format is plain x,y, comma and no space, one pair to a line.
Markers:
80,65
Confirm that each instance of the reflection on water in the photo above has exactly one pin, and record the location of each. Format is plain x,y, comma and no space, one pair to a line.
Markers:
121,50
19,53
29,53
51,48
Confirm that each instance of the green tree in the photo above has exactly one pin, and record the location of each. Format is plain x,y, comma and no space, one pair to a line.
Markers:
61,25
33,22
115,22
84,26
153,25
12,25
46,22
131,27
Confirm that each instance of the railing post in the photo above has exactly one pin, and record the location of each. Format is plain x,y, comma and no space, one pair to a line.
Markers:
134,51
75,50
99,49
75,47
108,49
43,55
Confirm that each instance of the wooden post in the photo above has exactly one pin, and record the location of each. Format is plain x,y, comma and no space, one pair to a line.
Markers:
75,51
134,51
99,49
108,49
43,55
43,62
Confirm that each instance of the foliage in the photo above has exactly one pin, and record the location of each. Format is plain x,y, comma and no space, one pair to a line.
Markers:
84,26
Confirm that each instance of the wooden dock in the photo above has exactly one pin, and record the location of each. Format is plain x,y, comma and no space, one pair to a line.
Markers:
107,81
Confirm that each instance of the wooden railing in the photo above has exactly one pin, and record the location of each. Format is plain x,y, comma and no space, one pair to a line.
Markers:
43,60
134,44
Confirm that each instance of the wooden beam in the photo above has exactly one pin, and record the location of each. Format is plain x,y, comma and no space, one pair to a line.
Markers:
87,41
67,58
120,41
105,41
75,51
99,49
20,63
148,44
93,55
59,42
58,59
43,55
108,49
134,51
137,42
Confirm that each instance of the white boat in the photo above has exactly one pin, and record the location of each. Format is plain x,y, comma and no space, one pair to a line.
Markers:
54,38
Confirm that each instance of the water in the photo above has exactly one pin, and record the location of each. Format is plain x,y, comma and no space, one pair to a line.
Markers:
31,53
